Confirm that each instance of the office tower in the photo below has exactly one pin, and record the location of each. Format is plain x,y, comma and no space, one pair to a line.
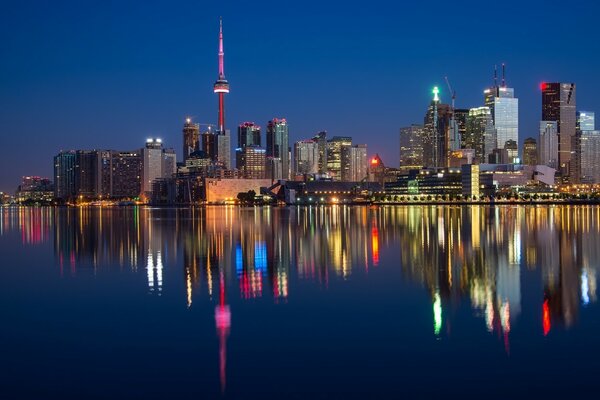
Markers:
278,149
480,134
530,152
586,121
306,157
64,175
548,144
590,156
104,175
321,140
512,150
248,135
354,163
460,118
169,163
504,108
191,138
411,147
436,139
334,155
559,105
223,146
152,156
251,160
127,168
209,143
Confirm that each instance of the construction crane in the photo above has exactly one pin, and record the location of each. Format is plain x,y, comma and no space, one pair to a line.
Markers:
452,92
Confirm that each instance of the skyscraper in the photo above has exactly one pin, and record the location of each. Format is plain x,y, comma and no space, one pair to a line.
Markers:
306,157
411,147
436,140
548,144
64,175
248,135
586,120
152,160
191,138
278,149
354,163
559,105
590,156
334,155
127,168
504,108
530,152
321,140
480,134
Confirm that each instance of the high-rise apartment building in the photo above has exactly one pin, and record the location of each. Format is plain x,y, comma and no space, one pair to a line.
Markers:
64,175
152,155
278,149
306,157
590,156
530,151
354,163
559,105
548,144
411,147
586,121
127,169
334,155
191,138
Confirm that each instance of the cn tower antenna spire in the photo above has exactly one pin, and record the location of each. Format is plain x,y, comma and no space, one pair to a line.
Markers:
221,53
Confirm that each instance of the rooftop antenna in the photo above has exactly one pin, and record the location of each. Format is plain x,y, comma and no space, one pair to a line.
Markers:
495,75
503,75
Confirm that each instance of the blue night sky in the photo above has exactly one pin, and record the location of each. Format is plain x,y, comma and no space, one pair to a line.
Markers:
109,74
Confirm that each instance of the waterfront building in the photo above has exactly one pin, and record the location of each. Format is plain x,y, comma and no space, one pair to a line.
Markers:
436,140
321,140
127,168
157,163
559,105
411,147
34,189
64,175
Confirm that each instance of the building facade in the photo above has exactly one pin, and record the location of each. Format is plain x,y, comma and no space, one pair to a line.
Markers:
278,149
530,152
411,147
334,155
354,163
306,157
548,144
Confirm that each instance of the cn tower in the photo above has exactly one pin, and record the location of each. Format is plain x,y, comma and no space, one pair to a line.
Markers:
221,85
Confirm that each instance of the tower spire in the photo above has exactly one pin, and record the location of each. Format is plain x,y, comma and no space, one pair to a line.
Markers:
503,75
221,53
495,75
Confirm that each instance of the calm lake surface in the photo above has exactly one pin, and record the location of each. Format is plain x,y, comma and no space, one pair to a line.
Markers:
328,302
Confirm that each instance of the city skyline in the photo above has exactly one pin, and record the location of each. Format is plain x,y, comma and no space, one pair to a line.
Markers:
63,96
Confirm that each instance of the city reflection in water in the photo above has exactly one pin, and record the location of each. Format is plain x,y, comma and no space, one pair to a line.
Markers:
477,254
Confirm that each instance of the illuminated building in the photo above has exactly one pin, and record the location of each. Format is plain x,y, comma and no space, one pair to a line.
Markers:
458,158
191,138
127,168
411,147
248,135
157,163
306,157
470,181
559,105
504,108
34,189
512,150
354,163
86,173
480,134
590,156
586,121
530,152
321,140
427,181
278,155
436,130
334,155
377,170
221,144
251,161
548,144
219,191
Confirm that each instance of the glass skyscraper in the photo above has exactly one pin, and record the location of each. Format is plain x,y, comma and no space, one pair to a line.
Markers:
278,154
504,108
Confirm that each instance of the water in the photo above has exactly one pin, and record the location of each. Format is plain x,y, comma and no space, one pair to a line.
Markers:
330,302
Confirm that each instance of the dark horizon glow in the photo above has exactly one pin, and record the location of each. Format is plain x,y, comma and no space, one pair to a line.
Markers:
110,74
